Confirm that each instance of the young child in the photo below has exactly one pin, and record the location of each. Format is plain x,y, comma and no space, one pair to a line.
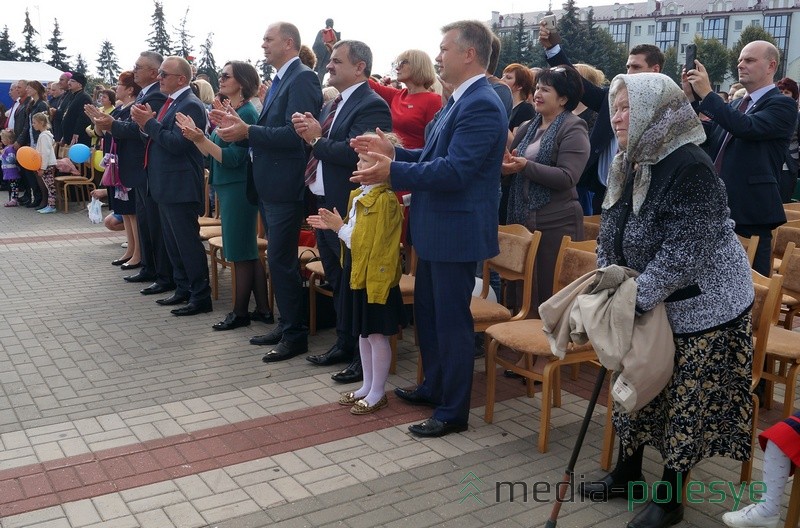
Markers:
44,146
9,164
781,445
371,264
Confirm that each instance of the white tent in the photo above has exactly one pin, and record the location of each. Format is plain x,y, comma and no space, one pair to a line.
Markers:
12,71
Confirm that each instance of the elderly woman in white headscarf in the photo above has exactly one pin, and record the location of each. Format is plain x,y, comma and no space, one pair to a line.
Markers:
666,216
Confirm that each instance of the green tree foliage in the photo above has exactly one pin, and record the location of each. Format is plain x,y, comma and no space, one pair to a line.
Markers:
8,50
715,57
30,52
80,65
266,70
671,68
601,50
573,33
58,57
107,64
183,48
207,64
159,40
749,34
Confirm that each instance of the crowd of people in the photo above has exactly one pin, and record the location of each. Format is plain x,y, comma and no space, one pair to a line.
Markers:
675,171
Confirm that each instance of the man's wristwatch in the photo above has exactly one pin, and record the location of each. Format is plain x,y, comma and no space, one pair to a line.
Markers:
314,141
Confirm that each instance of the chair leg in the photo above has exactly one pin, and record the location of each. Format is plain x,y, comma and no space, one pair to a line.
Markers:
491,380
529,384
747,466
793,514
393,345
607,454
548,379
789,394
556,386
214,272
769,389
575,370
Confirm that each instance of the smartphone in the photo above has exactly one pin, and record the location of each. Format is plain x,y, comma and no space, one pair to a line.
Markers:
691,55
549,22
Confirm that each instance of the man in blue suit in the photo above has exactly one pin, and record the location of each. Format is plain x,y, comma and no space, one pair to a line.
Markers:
454,181
279,163
175,182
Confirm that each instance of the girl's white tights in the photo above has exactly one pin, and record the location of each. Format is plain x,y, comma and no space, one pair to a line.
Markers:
376,358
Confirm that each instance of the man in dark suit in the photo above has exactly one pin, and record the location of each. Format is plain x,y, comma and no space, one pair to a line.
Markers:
175,180
156,267
279,162
747,139
602,142
454,181
357,110
17,121
75,121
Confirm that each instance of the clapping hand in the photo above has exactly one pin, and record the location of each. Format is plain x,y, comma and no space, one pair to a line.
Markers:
100,119
377,170
512,163
141,114
230,127
188,128
326,219
372,143
306,126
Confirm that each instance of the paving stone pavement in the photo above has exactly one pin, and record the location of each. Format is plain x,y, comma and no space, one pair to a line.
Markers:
114,413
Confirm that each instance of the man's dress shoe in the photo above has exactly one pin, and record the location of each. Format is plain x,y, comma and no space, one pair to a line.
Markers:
654,516
264,317
140,277
606,489
157,288
433,428
272,338
335,354
413,397
232,321
173,299
352,373
193,308
285,350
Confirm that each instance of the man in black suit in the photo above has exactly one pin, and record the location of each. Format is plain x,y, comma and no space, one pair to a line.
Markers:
357,110
279,162
175,179
747,139
17,121
75,121
602,142
156,267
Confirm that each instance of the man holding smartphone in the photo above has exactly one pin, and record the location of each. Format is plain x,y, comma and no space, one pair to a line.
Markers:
603,143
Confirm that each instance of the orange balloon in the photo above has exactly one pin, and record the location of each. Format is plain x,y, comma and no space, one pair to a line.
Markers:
28,158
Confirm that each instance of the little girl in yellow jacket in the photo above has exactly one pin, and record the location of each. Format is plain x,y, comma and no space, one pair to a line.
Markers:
371,298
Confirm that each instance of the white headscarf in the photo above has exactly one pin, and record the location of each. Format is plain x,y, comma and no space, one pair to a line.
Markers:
661,120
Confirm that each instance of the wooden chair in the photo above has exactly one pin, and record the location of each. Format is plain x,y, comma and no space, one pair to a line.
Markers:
791,214
788,232
84,184
793,513
750,246
591,227
208,218
783,346
790,269
526,336
791,206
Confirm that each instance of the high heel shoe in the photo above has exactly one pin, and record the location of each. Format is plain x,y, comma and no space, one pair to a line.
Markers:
129,266
120,262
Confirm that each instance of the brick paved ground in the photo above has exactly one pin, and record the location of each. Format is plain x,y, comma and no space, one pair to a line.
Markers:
114,413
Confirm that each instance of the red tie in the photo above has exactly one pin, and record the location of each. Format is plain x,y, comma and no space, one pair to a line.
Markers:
311,168
159,118
721,154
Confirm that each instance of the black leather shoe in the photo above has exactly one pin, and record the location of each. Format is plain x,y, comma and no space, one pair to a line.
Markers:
434,428
173,299
335,354
607,488
265,317
413,397
140,277
654,516
352,373
272,338
193,308
129,266
285,350
120,262
232,321
156,288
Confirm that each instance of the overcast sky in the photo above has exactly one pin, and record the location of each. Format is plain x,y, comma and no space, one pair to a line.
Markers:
388,28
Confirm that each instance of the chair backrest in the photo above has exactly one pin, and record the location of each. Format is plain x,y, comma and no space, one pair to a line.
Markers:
574,259
591,227
515,262
791,206
790,270
781,237
791,214
766,305
750,246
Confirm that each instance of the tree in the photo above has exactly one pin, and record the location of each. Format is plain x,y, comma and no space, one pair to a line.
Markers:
749,34
80,65
58,57
107,65
207,64
521,42
159,38
30,52
602,51
715,57
8,51
573,34
671,68
183,47
265,68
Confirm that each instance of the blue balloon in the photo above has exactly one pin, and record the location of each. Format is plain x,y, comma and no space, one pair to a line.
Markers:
79,153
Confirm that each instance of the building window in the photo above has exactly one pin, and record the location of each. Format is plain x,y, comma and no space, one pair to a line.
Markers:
637,30
620,32
778,27
667,35
755,22
684,28
716,28
683,49
698,28
737,26
651,29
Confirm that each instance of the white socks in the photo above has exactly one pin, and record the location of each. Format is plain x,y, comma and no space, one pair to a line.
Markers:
376,358
777,467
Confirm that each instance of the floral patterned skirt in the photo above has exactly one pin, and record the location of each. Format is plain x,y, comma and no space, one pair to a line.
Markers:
706,409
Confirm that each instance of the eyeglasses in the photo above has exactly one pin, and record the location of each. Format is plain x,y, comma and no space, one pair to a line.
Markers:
399,64
136,67
225,76
162,74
